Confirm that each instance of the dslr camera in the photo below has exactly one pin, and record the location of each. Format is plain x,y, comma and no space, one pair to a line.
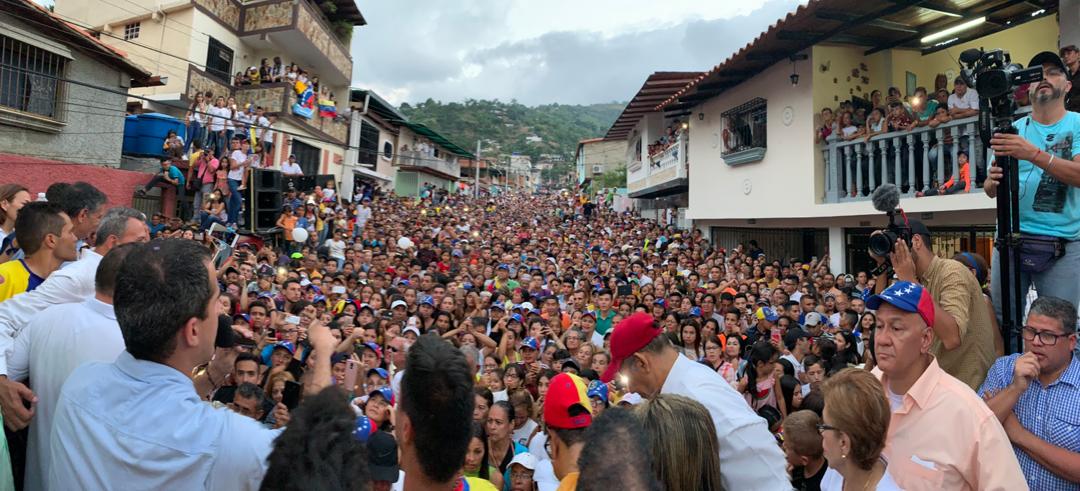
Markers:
886,199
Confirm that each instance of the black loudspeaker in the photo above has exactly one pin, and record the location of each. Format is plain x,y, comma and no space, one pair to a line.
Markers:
263,200
306,183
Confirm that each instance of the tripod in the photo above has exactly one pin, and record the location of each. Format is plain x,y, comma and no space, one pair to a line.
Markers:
1007,242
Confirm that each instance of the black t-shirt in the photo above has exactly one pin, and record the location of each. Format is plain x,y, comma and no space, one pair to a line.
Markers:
802,482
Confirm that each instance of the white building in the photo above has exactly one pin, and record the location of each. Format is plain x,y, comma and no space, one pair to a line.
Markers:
756,169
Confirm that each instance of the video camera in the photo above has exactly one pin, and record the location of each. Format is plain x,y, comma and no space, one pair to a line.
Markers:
886,199
994,76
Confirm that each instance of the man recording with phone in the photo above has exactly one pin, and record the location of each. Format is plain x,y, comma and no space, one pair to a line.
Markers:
963,333
1047,150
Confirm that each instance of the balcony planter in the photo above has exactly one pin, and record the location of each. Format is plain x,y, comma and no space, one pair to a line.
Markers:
747,156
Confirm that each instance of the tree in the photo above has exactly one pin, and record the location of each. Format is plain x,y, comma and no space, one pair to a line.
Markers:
614,178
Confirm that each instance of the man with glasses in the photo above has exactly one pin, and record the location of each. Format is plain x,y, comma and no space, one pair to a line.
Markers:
1036,396
941,435
1047,148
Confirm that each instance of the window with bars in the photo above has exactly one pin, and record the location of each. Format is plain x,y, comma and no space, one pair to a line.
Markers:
131,31
28,78
744,127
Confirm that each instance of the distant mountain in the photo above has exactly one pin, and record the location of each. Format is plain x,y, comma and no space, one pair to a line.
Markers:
509,127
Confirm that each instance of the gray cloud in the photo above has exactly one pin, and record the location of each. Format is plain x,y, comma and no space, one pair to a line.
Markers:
433,53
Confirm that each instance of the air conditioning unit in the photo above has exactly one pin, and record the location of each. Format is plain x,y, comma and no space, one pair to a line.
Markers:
597,169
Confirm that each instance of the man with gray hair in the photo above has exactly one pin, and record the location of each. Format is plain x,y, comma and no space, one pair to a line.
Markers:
70,284
1036,396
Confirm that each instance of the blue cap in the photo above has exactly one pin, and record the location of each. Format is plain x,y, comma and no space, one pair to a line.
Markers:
386,392
380,371
906,296
767,313
535,311
517,306
503,266
695,311
318,299
365,427
598,389
591,313
515,317
530,342
291,348
429,301
661,302
498,306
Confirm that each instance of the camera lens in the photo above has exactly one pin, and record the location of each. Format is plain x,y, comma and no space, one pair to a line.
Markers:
881,243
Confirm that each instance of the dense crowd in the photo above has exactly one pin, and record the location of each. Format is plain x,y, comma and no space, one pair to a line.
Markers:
517,342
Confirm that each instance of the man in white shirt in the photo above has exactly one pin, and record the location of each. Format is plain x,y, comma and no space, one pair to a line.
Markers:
263,133
290,168
237,177
58,340
640,351
964,101
72,283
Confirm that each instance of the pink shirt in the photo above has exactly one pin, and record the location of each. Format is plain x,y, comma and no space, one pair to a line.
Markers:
943,436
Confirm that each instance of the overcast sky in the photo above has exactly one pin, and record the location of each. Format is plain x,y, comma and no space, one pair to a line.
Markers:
538,52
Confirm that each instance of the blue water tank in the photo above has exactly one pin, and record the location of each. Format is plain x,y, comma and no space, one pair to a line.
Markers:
144,133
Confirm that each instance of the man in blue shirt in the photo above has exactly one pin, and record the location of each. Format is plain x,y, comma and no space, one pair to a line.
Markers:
138,422
1036,396
170,176
1047,148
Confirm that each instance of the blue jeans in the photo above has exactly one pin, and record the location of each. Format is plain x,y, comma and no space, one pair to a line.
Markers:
194,132
220,144
1061,280
235,201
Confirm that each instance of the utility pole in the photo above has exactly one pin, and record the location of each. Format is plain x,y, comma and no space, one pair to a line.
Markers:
476,170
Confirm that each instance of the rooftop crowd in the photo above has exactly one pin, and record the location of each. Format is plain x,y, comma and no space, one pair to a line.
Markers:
519,342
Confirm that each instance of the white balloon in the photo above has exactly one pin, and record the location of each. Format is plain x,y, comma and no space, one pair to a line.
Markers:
299,234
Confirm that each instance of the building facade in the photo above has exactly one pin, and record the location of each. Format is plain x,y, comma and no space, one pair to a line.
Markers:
44,115
755,168
203,46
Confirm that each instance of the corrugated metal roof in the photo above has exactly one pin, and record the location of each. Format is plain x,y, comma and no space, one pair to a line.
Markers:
658,87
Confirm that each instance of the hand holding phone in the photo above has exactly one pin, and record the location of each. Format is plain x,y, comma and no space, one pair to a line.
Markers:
291,395
351,368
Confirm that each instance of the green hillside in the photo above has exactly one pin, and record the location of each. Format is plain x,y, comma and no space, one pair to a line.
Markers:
510,127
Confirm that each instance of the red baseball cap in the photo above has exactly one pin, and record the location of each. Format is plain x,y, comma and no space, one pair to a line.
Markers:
629,336
566,391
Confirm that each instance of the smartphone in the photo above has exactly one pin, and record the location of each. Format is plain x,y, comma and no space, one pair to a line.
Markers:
775,334
291,395
351,367
292,319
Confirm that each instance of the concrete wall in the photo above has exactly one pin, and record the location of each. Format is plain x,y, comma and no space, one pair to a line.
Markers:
780,185
610,155
94,118
169,34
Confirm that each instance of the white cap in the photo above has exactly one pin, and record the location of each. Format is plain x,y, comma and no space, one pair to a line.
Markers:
398,303
631,398
527,306
812,319
411,329
526,460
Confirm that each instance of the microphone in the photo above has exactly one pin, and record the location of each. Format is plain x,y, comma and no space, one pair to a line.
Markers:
970,56
886,198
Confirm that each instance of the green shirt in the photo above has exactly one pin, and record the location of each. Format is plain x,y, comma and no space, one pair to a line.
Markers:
603,323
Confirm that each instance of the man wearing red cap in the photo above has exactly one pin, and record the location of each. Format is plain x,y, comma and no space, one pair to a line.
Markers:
652,366
567,413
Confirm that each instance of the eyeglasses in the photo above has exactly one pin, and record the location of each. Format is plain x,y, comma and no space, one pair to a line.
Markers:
1047,338
821,427
520,476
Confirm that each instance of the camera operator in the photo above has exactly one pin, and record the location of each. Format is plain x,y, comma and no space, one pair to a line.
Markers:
1047,149
963,333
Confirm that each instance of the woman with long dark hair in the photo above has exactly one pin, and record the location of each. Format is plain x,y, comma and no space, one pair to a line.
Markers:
500,442
476,459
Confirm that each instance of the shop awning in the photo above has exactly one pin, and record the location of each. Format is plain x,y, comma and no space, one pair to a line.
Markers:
438,139
363,171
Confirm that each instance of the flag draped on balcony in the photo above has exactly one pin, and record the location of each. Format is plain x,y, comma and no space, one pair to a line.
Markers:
327,108
305,100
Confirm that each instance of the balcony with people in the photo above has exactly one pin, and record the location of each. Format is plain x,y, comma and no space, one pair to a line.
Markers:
927,145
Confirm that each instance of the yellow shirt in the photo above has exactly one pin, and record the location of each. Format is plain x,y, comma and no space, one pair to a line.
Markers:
16,278
568,483
957,291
